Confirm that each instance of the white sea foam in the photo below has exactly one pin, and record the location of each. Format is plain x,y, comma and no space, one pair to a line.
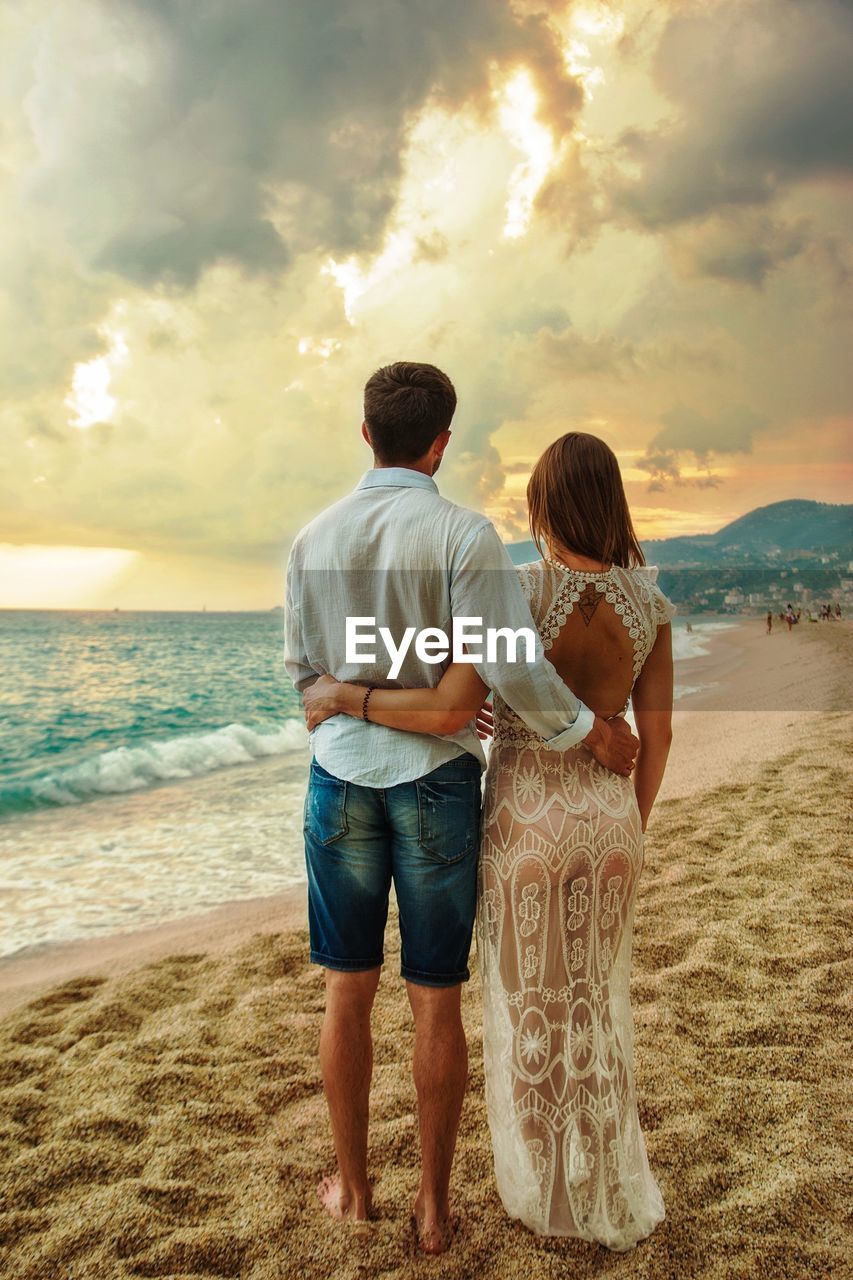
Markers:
695,643
152,854
189,756
685,690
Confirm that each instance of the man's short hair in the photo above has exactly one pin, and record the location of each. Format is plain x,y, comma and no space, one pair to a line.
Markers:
406,405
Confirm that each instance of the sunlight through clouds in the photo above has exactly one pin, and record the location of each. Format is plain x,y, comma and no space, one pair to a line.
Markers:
589,35
601,23
517,114
322,347
355,281
577,60
90,398
456,172
455,169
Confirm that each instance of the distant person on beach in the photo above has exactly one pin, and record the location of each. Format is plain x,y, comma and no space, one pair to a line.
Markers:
387,805
769,621
837,611
562,853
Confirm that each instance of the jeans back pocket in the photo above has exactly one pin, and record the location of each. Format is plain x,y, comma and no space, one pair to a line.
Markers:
449,818
325,806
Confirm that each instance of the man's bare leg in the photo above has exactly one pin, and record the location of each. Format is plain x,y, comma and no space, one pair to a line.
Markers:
346,1061
441,1073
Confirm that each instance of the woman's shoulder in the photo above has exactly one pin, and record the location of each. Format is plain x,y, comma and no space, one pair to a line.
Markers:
531,568
645,579
643,572
531,575
529,572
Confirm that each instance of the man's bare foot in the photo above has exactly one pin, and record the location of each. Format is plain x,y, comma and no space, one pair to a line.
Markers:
433,1233
344,1206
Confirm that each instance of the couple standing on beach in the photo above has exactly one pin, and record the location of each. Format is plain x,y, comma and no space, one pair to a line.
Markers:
546,865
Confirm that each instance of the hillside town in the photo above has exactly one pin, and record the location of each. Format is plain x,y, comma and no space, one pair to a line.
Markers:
809,590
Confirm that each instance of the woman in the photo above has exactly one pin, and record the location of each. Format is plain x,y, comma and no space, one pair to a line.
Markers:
561,858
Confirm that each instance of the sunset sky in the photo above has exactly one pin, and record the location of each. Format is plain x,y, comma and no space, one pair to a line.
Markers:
217,218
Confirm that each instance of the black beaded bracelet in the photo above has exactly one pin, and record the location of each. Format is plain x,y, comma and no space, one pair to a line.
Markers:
364,704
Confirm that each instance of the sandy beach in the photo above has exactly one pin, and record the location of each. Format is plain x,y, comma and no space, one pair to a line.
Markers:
162,1113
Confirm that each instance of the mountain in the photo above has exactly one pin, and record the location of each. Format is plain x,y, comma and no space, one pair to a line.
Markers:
797,531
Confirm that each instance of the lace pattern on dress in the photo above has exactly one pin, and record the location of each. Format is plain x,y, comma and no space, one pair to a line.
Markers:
561,859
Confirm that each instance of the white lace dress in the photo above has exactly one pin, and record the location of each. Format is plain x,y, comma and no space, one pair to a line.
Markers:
562,854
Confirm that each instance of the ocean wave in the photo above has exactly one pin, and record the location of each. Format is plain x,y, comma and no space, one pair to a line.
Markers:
694,644
134,768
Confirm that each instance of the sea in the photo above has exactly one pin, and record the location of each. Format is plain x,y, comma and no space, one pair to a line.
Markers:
152,765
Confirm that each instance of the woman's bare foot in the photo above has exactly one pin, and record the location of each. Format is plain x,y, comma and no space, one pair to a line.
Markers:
342,1205
433,1232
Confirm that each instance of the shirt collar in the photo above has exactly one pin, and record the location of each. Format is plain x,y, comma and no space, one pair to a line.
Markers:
396,478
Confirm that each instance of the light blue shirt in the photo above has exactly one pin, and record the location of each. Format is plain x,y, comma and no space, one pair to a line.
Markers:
395,550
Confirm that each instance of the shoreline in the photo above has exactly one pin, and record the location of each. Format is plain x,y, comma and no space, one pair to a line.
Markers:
215,930
708,750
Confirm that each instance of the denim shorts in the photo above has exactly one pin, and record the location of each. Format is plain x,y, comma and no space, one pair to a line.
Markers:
423,835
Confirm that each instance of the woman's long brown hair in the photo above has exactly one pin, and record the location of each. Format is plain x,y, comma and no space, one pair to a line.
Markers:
577,500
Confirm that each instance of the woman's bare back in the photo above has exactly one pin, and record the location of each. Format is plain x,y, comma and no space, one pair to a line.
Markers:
594,652
597,626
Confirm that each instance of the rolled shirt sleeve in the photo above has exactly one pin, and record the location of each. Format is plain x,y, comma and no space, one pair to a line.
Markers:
484,584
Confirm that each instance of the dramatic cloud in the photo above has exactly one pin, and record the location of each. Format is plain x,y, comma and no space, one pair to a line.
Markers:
685,431
744,246
147,141
171,136
763,97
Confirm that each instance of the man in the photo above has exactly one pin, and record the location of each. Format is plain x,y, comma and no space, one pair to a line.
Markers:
384,805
